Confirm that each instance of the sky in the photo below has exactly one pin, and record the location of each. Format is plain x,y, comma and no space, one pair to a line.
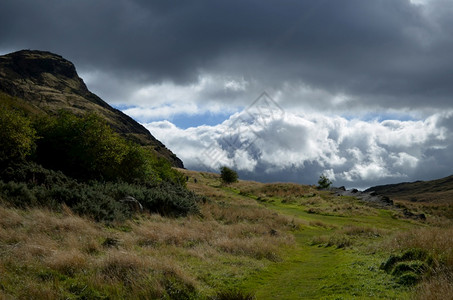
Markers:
361,91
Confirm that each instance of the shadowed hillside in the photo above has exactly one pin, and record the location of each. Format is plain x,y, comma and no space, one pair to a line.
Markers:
48,83
436,191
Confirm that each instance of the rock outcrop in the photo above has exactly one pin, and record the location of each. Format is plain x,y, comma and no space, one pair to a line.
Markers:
49,83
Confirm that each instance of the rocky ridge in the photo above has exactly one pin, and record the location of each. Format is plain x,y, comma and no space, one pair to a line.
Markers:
49,83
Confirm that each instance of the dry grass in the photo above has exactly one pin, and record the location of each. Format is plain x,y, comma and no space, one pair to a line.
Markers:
345,209
438,242
317,223
439,286
353,230
280,190
47,254
339,241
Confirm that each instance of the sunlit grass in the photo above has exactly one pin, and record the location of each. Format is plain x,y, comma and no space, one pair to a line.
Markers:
248,239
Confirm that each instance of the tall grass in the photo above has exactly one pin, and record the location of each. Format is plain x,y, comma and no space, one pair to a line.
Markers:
438,243
60,254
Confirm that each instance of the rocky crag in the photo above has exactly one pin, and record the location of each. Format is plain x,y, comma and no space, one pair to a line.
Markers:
48,83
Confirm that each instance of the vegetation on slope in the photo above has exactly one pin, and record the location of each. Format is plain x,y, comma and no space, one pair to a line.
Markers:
48,83
248,239
199,239
81,162
208,255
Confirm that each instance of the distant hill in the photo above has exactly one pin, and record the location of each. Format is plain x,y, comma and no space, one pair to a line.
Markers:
434,191
48,83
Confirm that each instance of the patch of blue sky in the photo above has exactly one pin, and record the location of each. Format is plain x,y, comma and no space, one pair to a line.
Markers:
185,121
122,106
380,117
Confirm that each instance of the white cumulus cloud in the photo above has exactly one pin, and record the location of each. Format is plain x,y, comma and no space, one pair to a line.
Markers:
353,152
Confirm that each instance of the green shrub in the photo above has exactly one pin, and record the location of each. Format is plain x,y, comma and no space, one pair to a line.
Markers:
16,135
324,182
82,147
32,173
17,194
86,148
88,167
36,186
228,175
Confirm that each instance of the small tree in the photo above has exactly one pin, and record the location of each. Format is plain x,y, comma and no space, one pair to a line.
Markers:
228,175
324,182
17,137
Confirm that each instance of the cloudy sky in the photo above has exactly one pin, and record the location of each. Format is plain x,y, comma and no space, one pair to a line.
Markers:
361,91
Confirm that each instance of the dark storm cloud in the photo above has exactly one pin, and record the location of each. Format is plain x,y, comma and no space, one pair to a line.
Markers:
386,53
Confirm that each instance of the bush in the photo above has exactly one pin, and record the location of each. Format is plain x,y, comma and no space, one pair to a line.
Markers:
324,182
17,194
82,147
87,148
33,185
16,135
32,174
228,175
86,166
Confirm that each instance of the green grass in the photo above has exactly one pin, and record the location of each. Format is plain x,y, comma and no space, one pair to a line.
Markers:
237,247
317,271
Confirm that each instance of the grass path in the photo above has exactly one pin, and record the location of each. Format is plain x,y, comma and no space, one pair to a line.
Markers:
319,272
311,270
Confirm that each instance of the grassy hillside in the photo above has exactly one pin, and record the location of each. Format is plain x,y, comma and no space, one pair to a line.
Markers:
437,191
434,196
248,240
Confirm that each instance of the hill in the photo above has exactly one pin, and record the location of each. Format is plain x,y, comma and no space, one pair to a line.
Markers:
434,191
248,240
48,83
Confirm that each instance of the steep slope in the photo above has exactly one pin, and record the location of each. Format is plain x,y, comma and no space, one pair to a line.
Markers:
438,191
49,83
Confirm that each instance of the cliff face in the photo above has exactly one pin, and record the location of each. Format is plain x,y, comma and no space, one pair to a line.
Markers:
50,83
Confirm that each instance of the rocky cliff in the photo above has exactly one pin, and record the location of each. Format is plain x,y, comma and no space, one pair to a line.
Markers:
49,83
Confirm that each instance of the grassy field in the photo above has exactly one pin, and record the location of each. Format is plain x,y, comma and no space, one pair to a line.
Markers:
250,240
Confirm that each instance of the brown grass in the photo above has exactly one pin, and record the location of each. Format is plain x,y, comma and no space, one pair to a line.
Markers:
353,230
67,262
439,286
438,242
337,240
145,257
317,223
281,190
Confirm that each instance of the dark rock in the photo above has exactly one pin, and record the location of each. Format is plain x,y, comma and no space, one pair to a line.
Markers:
407,213
133,203
387,200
